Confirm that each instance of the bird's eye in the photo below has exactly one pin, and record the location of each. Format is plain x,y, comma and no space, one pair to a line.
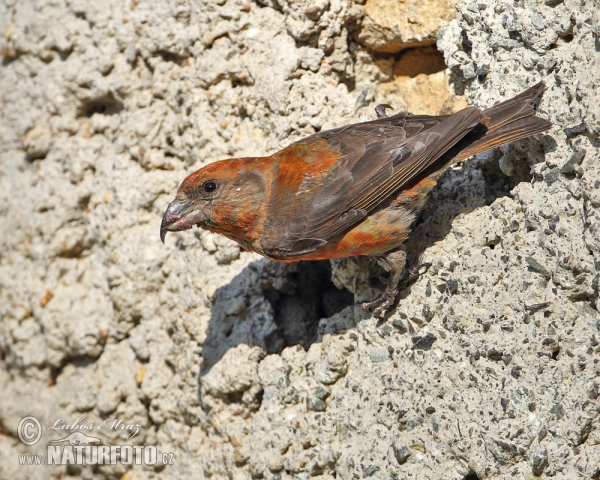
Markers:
210,186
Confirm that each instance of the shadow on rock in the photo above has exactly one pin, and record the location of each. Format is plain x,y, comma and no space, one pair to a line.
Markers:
460,191
272,305
475,184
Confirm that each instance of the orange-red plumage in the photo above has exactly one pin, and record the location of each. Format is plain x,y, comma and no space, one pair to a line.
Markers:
354,190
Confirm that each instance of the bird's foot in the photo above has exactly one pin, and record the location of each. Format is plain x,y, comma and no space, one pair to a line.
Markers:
381,305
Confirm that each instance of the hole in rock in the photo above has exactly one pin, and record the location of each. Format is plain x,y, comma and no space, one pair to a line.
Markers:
107,104
471,476
172,57
415,61
291,299
297,313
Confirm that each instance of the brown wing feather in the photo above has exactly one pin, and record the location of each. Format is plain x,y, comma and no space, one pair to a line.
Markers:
380,157
420,152
323,197
376,159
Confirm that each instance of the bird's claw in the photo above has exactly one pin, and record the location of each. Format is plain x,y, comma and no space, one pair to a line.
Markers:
380,110
380,305
415,272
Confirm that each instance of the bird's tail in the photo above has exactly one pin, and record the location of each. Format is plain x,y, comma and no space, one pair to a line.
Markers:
506,122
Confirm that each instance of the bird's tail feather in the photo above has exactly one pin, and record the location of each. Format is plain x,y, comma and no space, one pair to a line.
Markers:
515,130
506,122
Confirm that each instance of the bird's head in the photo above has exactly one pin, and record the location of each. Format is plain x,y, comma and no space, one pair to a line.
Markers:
221,196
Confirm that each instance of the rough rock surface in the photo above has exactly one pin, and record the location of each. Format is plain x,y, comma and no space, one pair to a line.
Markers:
240,367
393,25
417,81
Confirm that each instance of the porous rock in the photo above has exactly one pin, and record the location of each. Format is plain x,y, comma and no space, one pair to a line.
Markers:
488,366
393,25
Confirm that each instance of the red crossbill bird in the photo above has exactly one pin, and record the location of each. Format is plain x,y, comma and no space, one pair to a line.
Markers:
353,190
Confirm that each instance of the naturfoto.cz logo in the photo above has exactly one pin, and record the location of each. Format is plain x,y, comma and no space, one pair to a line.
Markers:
78,448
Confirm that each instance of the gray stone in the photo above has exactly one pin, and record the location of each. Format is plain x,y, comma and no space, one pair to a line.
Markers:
212,350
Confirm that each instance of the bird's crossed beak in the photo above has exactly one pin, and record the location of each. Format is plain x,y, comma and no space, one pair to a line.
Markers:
180,215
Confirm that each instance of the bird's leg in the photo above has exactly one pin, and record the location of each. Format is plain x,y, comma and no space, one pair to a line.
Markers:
393,262
380,110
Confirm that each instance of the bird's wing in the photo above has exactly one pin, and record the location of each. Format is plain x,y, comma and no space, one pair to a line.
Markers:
330,181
